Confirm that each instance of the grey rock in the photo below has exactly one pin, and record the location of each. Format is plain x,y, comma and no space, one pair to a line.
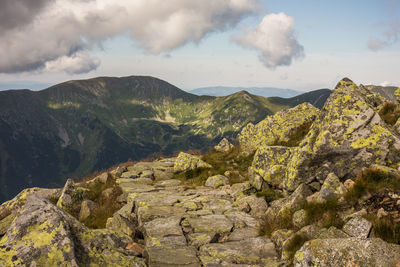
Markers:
347,252
217,181
358,227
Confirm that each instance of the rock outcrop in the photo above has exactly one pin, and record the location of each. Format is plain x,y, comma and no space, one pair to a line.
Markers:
186,162
42,234
293,125
347,136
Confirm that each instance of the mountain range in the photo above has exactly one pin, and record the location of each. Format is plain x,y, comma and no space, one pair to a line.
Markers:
77,127
261,91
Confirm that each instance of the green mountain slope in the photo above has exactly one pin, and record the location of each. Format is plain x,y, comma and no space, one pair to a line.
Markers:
77,127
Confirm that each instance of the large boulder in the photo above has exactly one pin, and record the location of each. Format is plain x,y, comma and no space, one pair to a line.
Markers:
42,234
71,196
217,181
347,252
270,164
348,135
286,127
186,162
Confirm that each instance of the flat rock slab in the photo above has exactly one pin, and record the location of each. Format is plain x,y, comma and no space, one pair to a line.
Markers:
358,227
211,223
250,251
165,232
178,256
149,213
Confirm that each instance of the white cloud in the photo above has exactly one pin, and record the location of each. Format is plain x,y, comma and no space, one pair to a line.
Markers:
391,36
75,64
57,35
275,40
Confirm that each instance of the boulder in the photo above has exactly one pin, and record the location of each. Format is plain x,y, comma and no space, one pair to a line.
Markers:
179,256
348,135
299,218
256,250
397,94
87,209
286,127
217,181
42,234
331,188
210,223
186,162
347,252
224,146
71,196
358,227
270,163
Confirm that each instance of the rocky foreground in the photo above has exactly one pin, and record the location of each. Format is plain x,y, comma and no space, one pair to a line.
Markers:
322,189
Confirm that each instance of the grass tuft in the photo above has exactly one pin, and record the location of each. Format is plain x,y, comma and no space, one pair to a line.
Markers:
294,244
371,180
325,213
390,112
387,230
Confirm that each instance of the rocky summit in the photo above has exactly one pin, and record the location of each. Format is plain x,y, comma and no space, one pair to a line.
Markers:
303,187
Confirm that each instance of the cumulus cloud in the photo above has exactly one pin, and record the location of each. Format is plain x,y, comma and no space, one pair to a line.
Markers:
57,34
17,13
275,40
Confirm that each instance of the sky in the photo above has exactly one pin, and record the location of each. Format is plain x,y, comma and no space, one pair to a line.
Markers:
302,45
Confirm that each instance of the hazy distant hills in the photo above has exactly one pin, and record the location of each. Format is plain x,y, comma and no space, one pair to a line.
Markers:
35,86
77,127
261,91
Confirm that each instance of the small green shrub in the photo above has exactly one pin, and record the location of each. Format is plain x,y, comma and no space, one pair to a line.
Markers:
390,112
295,243
372,180
325,213
269,194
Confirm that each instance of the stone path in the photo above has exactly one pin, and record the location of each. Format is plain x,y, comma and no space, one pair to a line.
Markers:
199,226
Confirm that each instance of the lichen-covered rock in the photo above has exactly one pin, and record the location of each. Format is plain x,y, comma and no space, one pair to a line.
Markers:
224,146
87,208
164,232
44,235
258,250
186,162
286,127
299,218
397,94
71,196
358,227
331,188
217,181
270,163
210,223
347,136
181,256
347,252
256,206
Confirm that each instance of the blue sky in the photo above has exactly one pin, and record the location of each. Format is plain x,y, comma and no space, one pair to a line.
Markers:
334,36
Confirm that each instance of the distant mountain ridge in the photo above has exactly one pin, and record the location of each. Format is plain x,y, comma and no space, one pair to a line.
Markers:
77,127
260,91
